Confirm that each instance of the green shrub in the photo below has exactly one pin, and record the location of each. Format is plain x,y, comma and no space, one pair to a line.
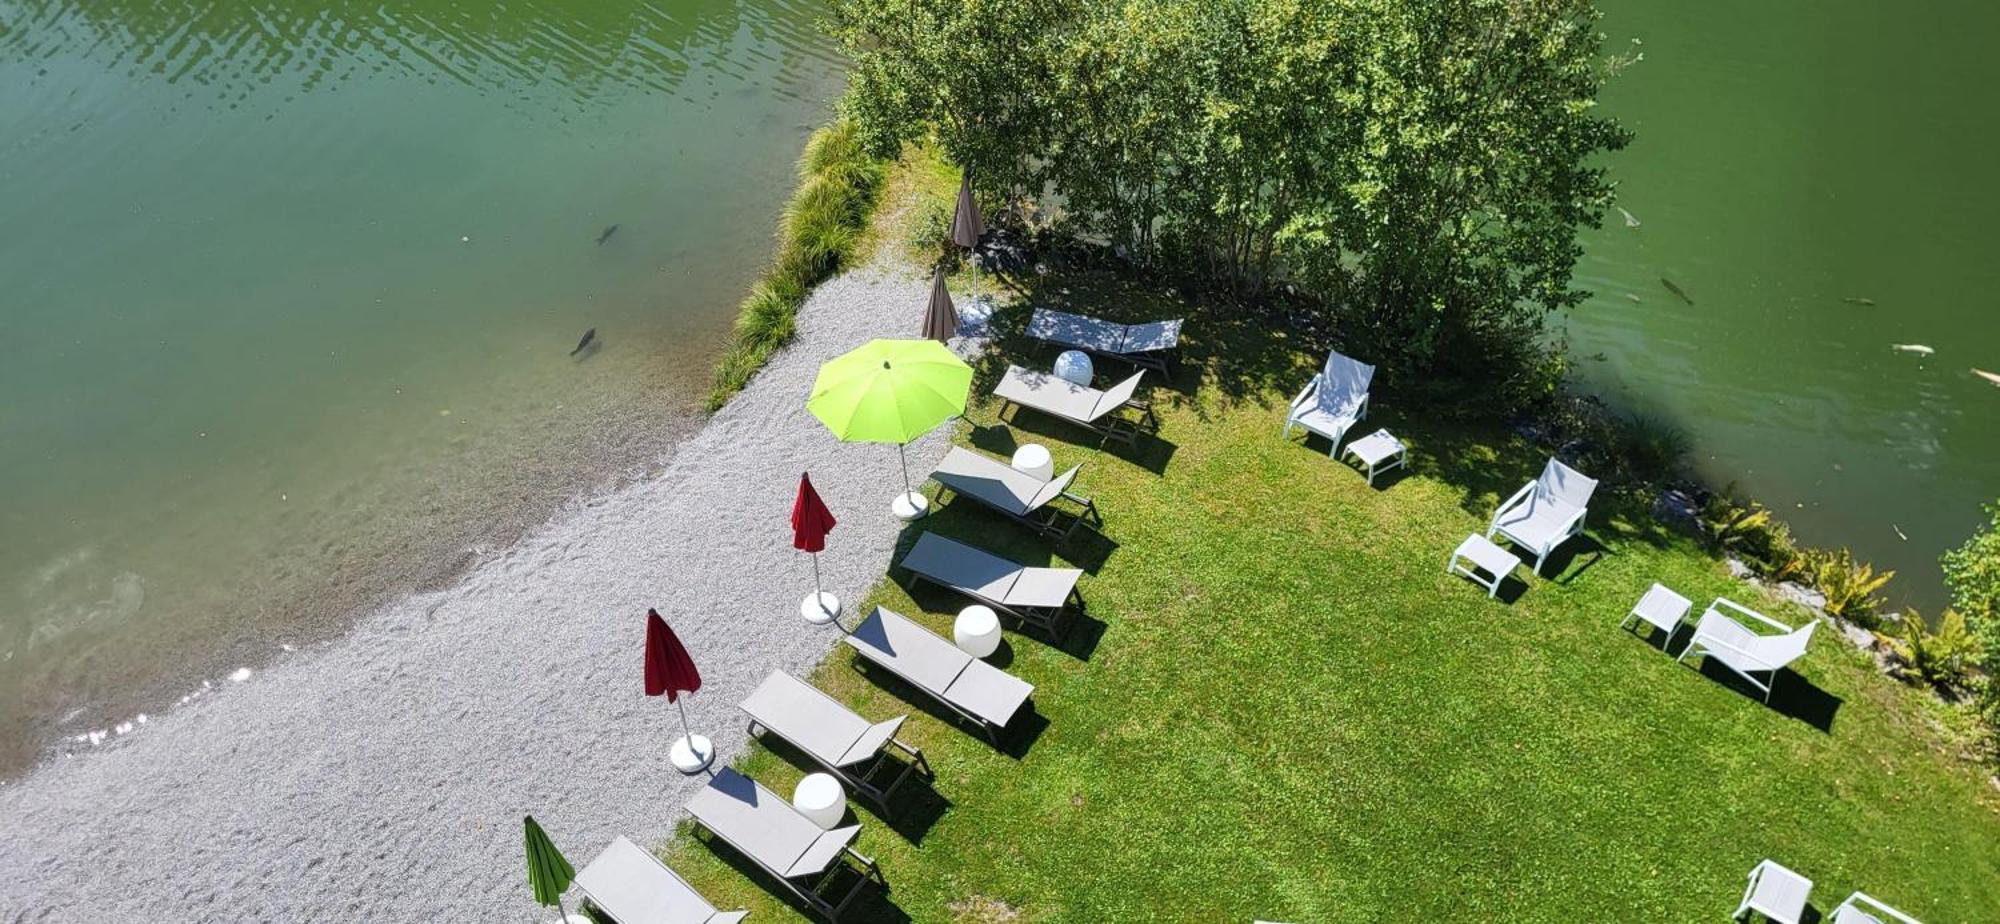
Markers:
1942,657
1748,530
1653,446
930,237
1972,572
837,185
1849,585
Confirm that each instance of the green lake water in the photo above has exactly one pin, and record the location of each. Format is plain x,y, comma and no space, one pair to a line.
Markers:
1792,160
289,291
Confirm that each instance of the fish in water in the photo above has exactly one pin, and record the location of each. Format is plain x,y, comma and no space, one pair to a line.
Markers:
1683,296
589,337
1916,348
607,234
1634,298
1630,222
1857,300
1988,376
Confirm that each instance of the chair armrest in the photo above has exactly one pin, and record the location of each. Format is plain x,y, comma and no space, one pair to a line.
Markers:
1574,524
1305,393
1753,614
1514,501
1711,642
1875,905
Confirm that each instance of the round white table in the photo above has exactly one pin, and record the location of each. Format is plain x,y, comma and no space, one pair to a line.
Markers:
1073,366
1033,459
976,631
820,798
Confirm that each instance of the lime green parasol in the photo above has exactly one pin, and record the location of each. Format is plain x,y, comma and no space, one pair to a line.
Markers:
548,873
891,391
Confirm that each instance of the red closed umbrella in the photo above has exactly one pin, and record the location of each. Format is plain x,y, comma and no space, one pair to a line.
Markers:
670,671
811,521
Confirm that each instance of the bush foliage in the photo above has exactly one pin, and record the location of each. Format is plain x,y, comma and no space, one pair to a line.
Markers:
1972,572
837,185
1419,170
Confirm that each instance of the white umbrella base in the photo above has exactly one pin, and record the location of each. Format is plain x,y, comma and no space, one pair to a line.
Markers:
819,608
910,506
692,754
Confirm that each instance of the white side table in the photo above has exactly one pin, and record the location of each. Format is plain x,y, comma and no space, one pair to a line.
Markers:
1073,366
976,631
1380,451
820,798
1481,554
1662,608
1033,459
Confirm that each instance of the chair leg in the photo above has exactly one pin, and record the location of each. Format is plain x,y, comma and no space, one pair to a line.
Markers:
1538,563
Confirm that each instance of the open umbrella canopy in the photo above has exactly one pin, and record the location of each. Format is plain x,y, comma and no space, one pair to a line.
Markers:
669,670
940,317
548,873
811,521
890,391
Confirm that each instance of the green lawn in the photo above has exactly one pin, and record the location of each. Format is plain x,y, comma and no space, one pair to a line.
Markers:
1281,707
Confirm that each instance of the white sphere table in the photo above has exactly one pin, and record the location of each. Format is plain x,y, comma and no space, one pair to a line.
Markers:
1033,459
820,798
1073,366
692,754
976,631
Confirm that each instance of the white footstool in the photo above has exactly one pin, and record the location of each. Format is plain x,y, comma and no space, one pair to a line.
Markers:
1661,608
1479,554
1380,452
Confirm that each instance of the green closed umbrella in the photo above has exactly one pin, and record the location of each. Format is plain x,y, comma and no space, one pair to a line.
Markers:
548,873
891,391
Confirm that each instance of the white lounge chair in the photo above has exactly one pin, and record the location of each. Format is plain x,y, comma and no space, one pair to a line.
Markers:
1335,400
1079,404
1546,512
632,886
1776,893
1859,908
1144,345
1735,646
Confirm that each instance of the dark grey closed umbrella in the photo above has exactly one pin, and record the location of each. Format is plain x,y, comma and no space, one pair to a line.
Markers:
940,318
966,227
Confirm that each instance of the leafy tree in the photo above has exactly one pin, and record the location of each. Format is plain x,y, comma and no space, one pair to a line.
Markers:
1420,169
1972,571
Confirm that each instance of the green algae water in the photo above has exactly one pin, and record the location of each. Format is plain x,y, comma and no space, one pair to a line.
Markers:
289,291
1818,179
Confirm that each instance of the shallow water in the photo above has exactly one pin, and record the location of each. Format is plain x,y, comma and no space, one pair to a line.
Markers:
1794,163
290,293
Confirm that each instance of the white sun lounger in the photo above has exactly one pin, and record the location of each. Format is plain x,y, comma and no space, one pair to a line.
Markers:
1139,344
632,886
1735,646
1776,893
1860,908
1078,404
830,733
1334,401
985,694
1036,596
774,835
1546,512
1013,492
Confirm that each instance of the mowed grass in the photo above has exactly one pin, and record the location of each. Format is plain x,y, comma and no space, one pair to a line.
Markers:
1279,705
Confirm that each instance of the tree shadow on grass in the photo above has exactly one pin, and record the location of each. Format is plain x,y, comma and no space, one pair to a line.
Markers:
872,904
1014,741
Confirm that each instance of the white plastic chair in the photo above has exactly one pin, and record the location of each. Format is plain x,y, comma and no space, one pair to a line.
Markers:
1859,908
1335,400
1546,512
1776,893
1735,646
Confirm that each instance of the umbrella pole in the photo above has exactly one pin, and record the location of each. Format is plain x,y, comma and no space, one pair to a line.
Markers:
905,463
816,590
685,728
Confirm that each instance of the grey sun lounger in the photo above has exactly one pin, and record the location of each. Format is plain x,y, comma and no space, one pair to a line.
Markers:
1079,404
970,687
632,886
1139,344
777,837
1015,493
846,744
1036,596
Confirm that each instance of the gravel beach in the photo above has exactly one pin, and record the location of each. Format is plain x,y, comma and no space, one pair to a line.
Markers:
384,775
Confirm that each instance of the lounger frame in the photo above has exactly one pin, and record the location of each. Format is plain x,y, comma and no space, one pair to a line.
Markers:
867,657
1049,619
857,775
1045,519
809,893
1155,360
1113,425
